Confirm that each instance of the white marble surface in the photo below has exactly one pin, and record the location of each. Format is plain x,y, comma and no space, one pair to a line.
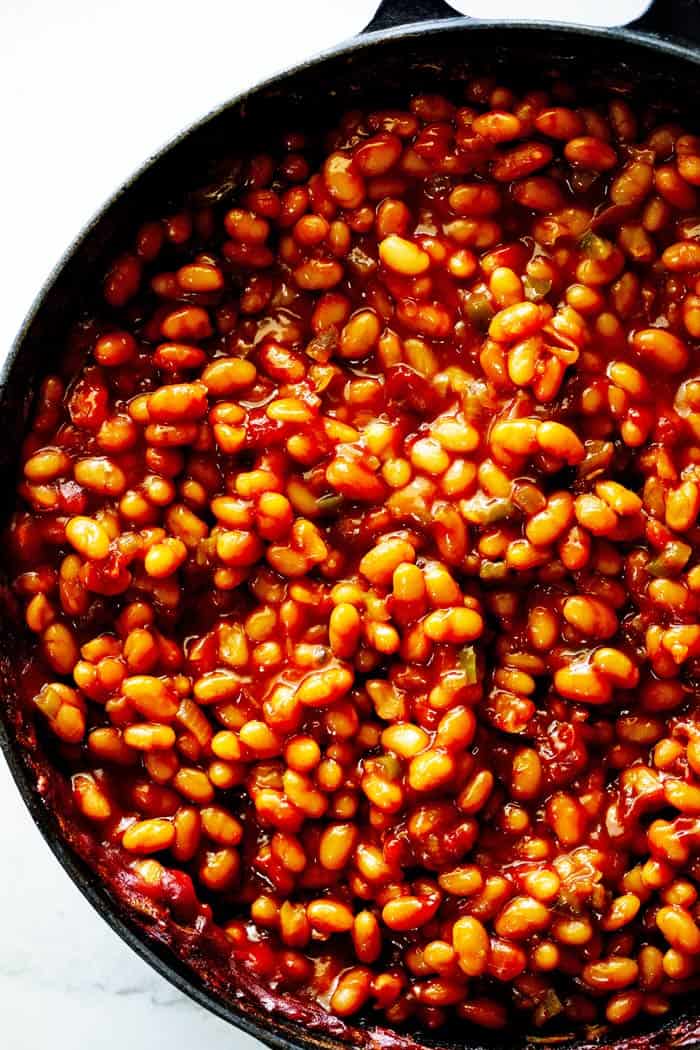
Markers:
88,90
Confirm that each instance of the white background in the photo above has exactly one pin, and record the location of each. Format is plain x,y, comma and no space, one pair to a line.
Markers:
89,90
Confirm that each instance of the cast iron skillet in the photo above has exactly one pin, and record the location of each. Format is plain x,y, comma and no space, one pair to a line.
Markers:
409,45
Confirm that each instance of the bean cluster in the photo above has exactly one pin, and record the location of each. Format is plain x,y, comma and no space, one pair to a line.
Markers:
358,535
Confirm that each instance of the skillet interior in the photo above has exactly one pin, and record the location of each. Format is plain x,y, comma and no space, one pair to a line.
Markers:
376,71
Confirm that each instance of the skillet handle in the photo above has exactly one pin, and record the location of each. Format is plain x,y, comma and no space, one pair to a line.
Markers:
672,18
392,13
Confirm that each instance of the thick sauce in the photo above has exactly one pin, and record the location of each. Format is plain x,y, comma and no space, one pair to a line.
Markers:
358,537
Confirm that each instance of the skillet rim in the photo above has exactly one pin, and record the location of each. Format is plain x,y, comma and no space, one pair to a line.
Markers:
164,961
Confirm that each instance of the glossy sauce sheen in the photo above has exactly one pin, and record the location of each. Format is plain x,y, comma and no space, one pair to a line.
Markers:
358,535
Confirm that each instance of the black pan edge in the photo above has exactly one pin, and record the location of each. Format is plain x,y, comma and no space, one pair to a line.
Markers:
167,965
